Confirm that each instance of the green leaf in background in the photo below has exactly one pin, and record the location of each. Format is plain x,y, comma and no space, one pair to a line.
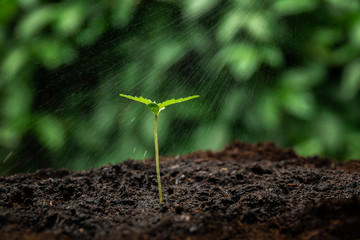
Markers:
50,132
195,9
15,59
69,18
309,147
32,23
290,7
53,52
243,60
258,25
298,103
350,82
230,25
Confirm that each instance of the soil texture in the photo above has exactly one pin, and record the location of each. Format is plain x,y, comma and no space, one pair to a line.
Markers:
246,191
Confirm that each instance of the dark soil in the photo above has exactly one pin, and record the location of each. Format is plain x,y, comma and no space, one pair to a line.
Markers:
247,191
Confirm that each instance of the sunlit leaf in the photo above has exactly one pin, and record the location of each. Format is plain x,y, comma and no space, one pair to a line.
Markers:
14,61
230,25
123,11
138,99
243,60
157,107
70,18
195,9
35,21
173,101
258,26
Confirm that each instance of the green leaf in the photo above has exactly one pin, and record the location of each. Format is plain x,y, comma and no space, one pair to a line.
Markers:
290,7
350,82
173,101
298,103
138,99
157,107
14,61
195,9
243,60
34,22
309,147
53,52
50,132
69,19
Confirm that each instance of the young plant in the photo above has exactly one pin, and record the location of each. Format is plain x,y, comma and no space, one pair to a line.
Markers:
156,108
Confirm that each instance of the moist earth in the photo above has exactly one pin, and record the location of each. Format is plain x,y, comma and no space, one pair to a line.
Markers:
246,191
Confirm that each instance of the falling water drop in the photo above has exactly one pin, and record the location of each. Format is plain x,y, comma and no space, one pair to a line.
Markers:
7,157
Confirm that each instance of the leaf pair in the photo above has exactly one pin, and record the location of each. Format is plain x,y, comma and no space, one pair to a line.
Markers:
157,107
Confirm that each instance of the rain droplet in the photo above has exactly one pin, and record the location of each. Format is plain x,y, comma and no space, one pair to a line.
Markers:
7,157
134,150
145,153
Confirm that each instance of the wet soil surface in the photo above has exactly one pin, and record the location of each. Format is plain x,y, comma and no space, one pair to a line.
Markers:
246,191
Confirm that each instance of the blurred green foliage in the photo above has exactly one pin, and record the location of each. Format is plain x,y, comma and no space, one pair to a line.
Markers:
280,70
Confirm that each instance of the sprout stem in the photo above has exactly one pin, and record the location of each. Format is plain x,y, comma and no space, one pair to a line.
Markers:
157,156
156,108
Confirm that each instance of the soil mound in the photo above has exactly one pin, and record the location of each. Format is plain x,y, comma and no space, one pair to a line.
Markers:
246,191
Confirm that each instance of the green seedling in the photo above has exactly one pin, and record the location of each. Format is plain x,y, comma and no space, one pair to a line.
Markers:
156,108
